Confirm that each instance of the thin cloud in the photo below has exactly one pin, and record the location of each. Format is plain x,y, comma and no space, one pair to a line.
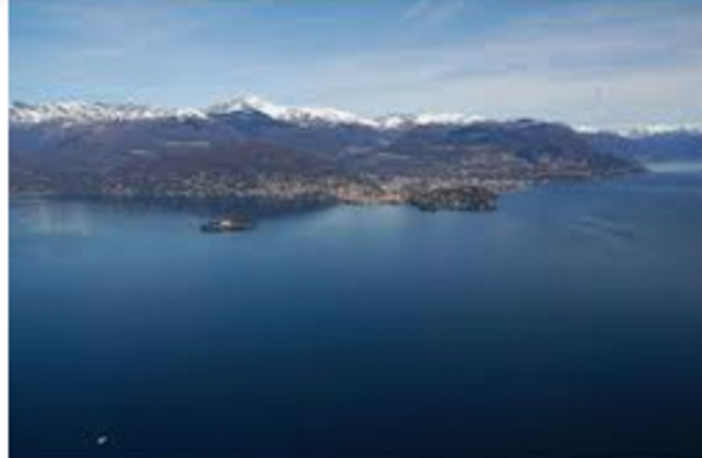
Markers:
433,12
586,62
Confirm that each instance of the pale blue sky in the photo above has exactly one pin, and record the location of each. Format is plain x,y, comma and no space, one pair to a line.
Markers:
591,62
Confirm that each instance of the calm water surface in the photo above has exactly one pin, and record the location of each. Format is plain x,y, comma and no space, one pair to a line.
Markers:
568,323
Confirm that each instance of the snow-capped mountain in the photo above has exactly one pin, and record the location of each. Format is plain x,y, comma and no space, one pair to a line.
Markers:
249,103
81,113
303,116
77,148
659,129
86,126
644,130
77,112
400,121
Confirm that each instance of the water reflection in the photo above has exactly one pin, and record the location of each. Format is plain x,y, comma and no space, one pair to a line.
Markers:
46,218
675,167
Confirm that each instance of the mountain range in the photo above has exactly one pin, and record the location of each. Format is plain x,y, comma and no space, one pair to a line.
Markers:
77,112
251,147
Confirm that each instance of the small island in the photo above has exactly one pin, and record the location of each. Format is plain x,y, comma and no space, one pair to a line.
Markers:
231,223
471,198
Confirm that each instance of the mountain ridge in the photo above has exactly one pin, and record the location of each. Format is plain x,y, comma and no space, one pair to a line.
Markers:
83,112
250,147
80,112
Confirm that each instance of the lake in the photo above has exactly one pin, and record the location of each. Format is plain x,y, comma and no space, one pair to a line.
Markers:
567,323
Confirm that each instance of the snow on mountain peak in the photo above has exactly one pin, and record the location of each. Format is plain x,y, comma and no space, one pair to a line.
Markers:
647,130
308,116
399,121
659,129
304,116
246,103
77,112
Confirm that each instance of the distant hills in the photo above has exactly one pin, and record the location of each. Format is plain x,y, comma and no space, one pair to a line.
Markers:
684,144
250,147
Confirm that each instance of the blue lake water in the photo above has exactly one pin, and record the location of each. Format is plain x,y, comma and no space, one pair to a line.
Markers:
567,323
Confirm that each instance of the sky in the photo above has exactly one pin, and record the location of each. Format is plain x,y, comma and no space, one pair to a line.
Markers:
587,62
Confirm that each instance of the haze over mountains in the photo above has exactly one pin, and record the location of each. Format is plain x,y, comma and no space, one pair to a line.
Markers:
249,146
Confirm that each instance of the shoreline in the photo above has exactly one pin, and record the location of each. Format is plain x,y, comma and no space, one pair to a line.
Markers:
291,203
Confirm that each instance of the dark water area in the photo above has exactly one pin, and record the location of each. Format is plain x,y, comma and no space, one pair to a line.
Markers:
567,323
